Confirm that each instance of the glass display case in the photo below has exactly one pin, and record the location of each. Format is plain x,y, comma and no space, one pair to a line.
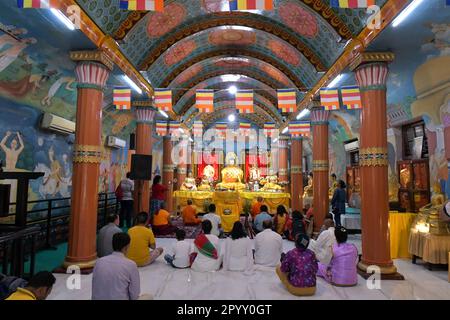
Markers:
414,178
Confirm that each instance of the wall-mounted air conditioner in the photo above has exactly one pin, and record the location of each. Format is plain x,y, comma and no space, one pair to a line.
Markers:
351,145
54,123
115,142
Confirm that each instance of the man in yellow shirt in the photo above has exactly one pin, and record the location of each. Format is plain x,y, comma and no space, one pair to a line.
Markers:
38,288
142,240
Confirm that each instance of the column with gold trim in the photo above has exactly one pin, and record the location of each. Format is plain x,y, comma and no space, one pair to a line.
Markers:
319,123
296,173
183,160
92,72
371,71
283,159
168,168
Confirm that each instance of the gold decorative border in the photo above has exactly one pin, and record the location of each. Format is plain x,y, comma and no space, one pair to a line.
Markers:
367,57
92,55
320,165
87,154
373,157
282,172
182,170
168,168
296,169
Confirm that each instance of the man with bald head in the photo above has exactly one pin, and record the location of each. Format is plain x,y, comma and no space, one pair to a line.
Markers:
322,247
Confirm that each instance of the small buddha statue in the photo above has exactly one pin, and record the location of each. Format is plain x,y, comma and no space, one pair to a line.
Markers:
205,185
271,184
308,190
232,175
189,183
334,184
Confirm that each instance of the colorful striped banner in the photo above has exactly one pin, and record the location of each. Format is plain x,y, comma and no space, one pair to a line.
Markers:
161,128
221,129
174,127
287,100
142,5
269,129
244,128
244,101
299,128
351,97
163,99
251,5
329,99
352,4
122,98
37,4
197,129
204,100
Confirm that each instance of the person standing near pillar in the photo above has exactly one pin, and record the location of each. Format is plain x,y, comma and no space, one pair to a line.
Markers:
296,173
371,77
319,124
92,72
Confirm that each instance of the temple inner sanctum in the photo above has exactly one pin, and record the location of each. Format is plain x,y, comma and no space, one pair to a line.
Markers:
224,149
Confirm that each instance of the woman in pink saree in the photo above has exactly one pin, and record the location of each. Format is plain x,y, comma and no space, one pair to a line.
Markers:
342,268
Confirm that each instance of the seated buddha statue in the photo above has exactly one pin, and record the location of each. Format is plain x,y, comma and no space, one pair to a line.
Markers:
333,185
205,185
232,175
308,190
272,184
189,183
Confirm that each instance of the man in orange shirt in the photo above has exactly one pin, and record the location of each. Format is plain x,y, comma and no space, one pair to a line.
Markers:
161,222
256,207
189,215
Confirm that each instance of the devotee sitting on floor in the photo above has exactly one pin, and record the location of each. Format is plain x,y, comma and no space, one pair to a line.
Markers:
280,220
142,240
338,202
323,227
189,215
260,218
181,250
342,268
214,219
105,235
206,250
268,246
323,245
298,269
238,250
158,195
162,224
256,207
296,227
116,277
38,288
126,201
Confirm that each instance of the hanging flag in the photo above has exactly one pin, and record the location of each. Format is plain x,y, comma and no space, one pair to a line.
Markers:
351,97
204,100
353,4
161,128
197,129
244,128
37,4
174,128
299,128
122,98
269,129
244,101
251,5
221,129
142,5
287,100
163,99
329,99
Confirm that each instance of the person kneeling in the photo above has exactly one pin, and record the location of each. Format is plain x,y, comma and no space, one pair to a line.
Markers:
181,250
298,269
206,251
162,224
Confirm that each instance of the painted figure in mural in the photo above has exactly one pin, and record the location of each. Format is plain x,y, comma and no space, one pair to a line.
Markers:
8,56
189,183
8,39
334,184
53,180
47,100
13,152
232,175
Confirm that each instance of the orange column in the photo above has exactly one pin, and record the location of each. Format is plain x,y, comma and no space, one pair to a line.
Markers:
87,155
167,176
144,120
373,162
183,160
296,173
319,123
283,159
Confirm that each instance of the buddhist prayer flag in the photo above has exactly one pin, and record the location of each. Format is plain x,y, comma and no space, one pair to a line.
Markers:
197,129
251,5
174,127
204,100
244,101
244,128
221,129
351,97
287,100
329,99
269,129
161,128
353,4
142,5
299,128
37,4
163,99
122,98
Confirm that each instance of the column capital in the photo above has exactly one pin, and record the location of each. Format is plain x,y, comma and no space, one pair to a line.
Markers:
143,103
92,70
296,138
364,58
319,116
371,70
92,56
144,114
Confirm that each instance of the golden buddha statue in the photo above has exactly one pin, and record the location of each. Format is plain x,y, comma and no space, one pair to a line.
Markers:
232,175
308,190
209,172
334,184
272,184
189,183
205,185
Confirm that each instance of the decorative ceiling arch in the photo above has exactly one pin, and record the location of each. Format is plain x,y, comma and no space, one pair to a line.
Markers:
230,52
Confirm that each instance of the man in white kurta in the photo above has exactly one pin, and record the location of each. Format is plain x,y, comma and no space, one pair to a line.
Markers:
322,247
268,246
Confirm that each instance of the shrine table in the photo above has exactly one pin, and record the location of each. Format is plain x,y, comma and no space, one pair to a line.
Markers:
432,248
399,229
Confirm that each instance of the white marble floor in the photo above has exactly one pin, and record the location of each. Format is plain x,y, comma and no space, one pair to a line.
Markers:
167,283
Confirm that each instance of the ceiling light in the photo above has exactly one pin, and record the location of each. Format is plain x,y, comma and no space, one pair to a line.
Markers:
305,112
61,17
163,113
335,81
405,13
231,118
230,77
232,89
132,84
285,130
181,130
275,140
